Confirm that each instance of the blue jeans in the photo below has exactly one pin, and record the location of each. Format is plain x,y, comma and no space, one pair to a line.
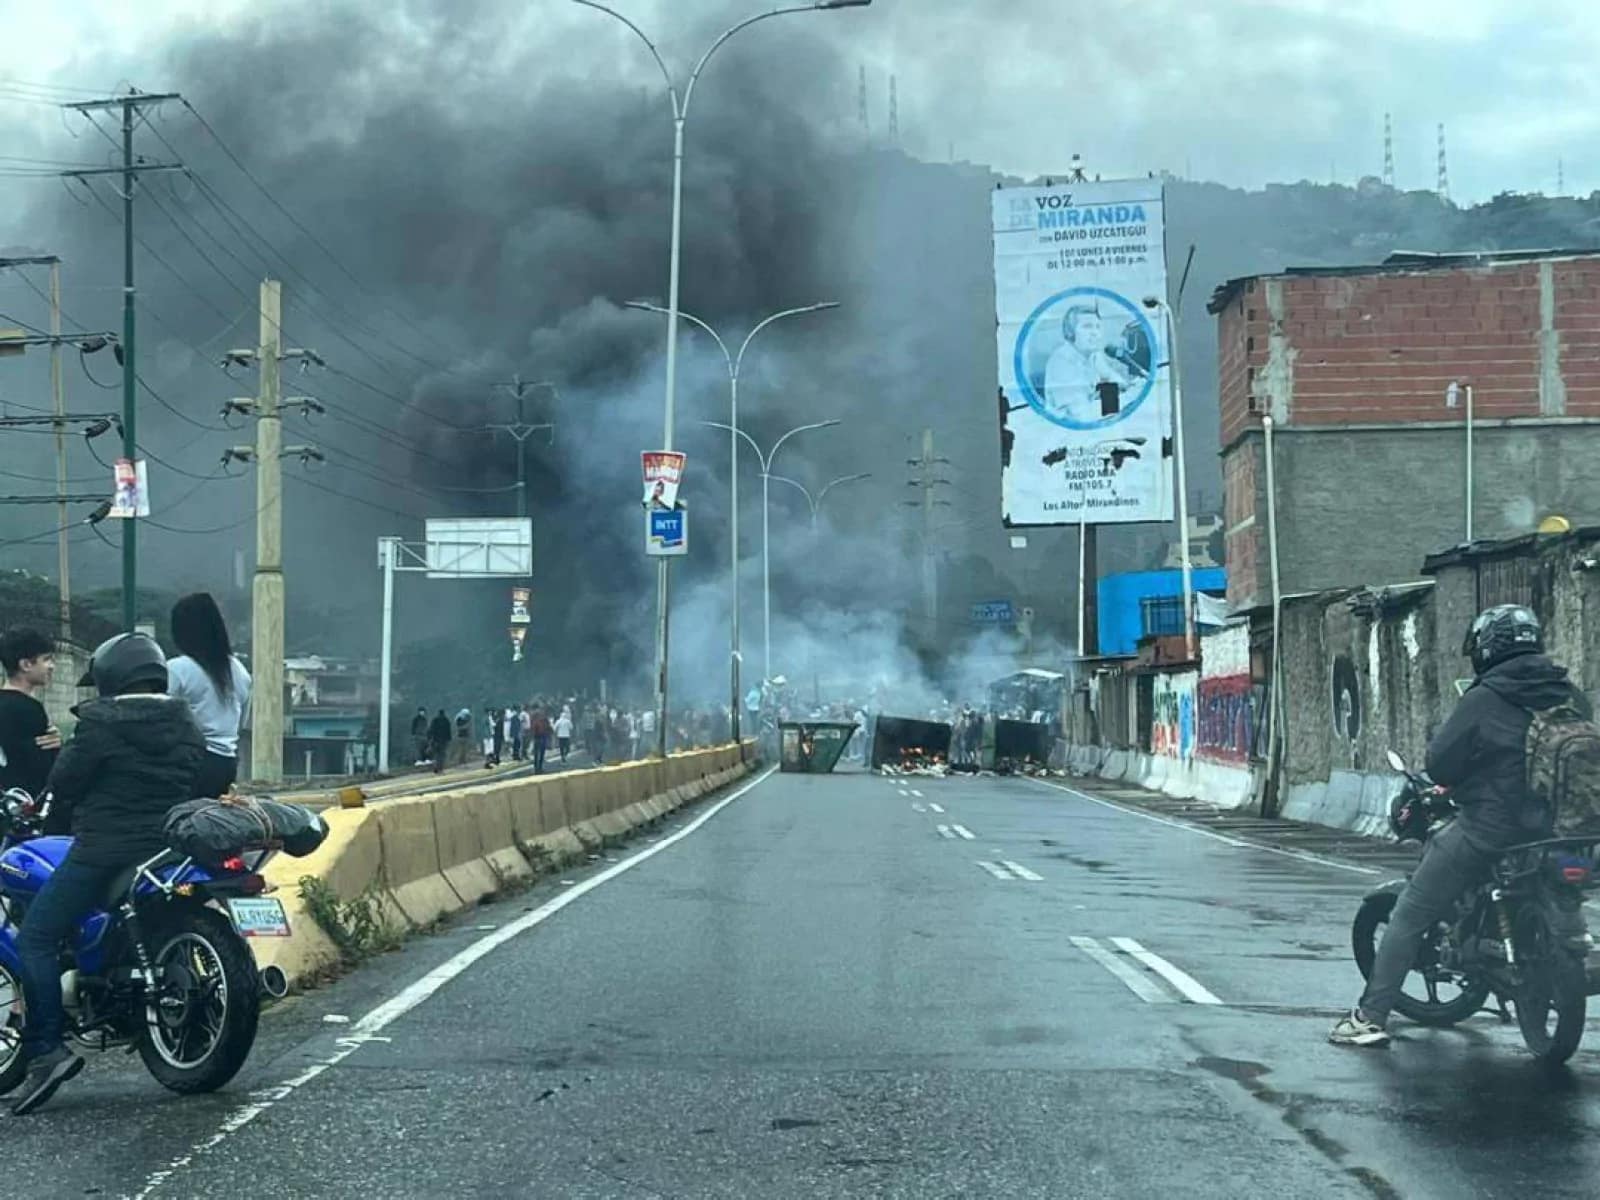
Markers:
71,894
541,745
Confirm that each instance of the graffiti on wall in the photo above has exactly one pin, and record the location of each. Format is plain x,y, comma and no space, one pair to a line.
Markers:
1345,705
1172,727
1226,702
1227,719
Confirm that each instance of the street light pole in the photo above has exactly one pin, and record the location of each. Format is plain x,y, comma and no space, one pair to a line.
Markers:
1173,324
815,502
734,363
680,116
766,532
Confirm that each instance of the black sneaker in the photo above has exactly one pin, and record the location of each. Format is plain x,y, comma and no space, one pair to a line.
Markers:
45,1074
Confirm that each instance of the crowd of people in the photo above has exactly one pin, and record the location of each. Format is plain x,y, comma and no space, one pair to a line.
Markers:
546,729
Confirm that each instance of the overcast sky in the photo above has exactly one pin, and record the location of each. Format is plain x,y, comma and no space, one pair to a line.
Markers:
1240,91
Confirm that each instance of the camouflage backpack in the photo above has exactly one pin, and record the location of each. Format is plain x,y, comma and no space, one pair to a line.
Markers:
1563,754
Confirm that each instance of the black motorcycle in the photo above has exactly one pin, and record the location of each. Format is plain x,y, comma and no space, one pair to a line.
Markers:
1519,936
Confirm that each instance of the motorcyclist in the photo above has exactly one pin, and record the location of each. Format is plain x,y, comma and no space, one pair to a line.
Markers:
1479,754
135,754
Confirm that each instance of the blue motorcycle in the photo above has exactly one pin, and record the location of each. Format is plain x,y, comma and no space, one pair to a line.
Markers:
163,967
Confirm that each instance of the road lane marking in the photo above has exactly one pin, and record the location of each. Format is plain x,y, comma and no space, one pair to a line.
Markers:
963,831
368,1027
916,793
1302,855
1021,871
1135,982
936,807
945,831
995,869
915,807
1191,988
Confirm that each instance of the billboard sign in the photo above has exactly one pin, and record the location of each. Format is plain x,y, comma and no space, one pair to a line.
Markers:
1085,400
663,472
478,547
666,532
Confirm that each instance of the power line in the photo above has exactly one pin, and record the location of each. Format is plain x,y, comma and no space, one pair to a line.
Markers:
322,487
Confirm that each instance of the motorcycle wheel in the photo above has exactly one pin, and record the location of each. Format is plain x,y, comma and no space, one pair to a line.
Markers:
1433,1009
12,1067
1553,999
201,1023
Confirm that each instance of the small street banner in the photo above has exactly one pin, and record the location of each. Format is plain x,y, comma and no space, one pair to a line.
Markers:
666,532
519,605
1085,399
663,472
131,497
993,612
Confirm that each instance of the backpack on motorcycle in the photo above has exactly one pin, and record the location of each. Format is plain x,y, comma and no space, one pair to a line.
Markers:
212,830
1563,756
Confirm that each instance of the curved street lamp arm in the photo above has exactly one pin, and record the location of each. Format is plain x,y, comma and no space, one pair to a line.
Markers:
832,483
797,429
778,316
688,92
804,491
678,109
730,429
646,306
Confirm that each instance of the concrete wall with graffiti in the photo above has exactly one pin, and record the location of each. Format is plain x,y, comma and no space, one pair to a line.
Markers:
1172,723
1225,716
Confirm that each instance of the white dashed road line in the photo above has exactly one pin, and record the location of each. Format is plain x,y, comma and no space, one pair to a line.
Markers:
1133,980
916,793
938,808
1191,988
945,831
915,807
995,869
1020,871
963,832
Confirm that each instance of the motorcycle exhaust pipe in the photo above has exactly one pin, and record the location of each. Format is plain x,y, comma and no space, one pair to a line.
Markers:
274,983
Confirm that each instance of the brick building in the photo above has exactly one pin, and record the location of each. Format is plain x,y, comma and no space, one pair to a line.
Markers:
1353,365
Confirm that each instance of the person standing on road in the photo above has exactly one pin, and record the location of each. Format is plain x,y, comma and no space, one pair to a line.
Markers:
28,741
563,731
214,684
419,738
439,739
527,729
539,737
1480,754
514,732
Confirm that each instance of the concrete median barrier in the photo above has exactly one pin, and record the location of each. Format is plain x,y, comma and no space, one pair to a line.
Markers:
412,860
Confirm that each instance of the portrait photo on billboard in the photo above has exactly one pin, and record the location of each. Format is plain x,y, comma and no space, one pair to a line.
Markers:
1086,358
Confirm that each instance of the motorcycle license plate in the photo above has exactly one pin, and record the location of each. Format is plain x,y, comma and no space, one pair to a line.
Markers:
259,916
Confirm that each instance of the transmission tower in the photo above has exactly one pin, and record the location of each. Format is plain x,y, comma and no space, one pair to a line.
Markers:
1444,170
1388,150
861,99
894,112
1561,177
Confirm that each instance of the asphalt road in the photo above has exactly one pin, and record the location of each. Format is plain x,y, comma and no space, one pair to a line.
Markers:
853,986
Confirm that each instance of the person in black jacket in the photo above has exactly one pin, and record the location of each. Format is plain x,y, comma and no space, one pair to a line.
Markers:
1480,755
134,755
439,739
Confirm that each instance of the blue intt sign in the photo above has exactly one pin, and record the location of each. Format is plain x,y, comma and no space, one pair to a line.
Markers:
666,532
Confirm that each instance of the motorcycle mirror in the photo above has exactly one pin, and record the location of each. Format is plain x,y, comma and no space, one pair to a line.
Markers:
1398,763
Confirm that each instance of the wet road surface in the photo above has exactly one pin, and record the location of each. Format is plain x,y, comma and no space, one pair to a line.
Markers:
856,986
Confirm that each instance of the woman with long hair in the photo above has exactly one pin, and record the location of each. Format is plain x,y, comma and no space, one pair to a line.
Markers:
217,687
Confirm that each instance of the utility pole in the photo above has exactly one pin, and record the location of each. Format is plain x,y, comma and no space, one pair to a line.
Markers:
927,481
266,593
520,431
131,104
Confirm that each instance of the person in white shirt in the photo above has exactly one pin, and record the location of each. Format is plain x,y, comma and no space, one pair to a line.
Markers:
563,727
215,685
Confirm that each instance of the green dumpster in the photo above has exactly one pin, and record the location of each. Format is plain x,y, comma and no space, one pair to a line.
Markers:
812,747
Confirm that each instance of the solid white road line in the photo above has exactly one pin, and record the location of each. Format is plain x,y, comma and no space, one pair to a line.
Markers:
369,1027
1021,871
1135,982
963,831
945,831
1191,988
938,808
995,869
1302,855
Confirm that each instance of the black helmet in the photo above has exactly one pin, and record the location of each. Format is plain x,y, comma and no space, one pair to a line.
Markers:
1502,632
127,662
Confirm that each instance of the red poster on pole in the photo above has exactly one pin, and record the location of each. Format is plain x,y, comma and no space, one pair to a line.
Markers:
663,472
